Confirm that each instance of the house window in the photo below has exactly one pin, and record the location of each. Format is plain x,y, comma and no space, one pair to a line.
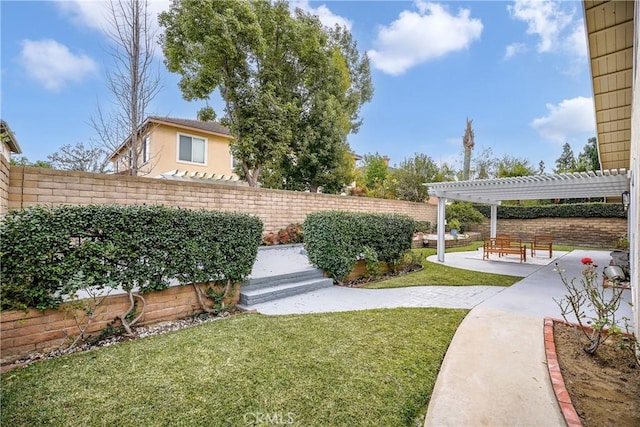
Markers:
234,162
191,149
145,148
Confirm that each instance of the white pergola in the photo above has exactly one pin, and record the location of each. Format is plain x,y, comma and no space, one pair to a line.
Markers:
607,183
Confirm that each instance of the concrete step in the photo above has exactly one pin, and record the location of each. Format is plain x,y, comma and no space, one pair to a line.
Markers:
249,297
281,279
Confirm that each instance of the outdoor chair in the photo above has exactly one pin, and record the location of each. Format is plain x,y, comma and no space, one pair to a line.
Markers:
542,242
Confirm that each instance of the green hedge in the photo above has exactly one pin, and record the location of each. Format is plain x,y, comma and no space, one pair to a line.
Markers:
422,227
334,240
574,210
48,254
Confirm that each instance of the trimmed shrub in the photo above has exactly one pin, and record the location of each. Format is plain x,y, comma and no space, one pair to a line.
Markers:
45,250
465,213
573,210
422,227
335,240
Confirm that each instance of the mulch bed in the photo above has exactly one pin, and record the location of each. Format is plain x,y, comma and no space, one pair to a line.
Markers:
605,387
361,281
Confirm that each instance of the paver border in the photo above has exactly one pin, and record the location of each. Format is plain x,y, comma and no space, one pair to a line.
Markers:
559,389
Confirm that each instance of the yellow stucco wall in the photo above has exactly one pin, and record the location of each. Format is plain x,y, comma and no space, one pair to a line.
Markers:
163,152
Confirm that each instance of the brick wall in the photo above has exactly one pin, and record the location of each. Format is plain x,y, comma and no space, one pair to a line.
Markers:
24,186
595,232
22,332
276,208
4,184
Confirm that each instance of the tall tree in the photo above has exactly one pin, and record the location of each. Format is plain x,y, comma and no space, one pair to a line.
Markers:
24,161
484,164
588,159
468,144
80,158
132,81
567,161
329,111
509,166
292,89
374,170
411,176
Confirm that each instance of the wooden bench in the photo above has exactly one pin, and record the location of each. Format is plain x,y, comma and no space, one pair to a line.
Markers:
504,245
542,242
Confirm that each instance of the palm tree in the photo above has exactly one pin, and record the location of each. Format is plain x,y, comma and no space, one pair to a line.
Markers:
468,143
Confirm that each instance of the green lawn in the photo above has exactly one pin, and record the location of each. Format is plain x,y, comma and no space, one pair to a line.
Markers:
438,274
374,367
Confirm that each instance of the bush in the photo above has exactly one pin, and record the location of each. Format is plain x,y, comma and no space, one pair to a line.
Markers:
454,224
334,240
285,236
270,239
290,235
573,210
44,250
422,227
465,213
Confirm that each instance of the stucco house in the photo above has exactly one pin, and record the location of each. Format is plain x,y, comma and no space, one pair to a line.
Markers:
9,142
169,145
613,37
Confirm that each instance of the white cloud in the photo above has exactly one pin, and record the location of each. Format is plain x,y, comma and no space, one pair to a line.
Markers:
576,42
95,14
571,117
90,14
417,37
328,18
53,64
544,19
554,24
514,49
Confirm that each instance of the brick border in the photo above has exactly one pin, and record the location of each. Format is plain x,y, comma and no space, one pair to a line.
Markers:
562,395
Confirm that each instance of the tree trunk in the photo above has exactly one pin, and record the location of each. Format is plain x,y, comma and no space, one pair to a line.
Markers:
203,306
467,164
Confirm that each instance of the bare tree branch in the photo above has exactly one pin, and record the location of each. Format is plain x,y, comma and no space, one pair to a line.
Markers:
132,80
80,158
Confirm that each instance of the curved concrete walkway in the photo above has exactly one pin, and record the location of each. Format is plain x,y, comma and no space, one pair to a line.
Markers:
337,298
494,372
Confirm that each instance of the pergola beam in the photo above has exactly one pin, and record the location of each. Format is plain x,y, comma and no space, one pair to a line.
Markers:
607,183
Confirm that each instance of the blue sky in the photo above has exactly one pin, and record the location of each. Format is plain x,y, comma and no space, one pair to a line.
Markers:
518,69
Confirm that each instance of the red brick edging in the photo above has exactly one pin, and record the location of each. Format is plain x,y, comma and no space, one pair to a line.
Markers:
564,401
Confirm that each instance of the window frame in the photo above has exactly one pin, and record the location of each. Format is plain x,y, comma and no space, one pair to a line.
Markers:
206,143
233,162
146,146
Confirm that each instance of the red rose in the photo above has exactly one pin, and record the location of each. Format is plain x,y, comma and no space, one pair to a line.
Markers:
586,261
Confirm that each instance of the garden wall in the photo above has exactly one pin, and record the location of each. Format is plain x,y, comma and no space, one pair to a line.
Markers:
277,208
595,232
4,185
23,332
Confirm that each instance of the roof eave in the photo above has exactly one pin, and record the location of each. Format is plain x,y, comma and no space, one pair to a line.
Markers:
12,142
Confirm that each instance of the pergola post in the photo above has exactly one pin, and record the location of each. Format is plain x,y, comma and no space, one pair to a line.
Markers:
494,221
441,245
